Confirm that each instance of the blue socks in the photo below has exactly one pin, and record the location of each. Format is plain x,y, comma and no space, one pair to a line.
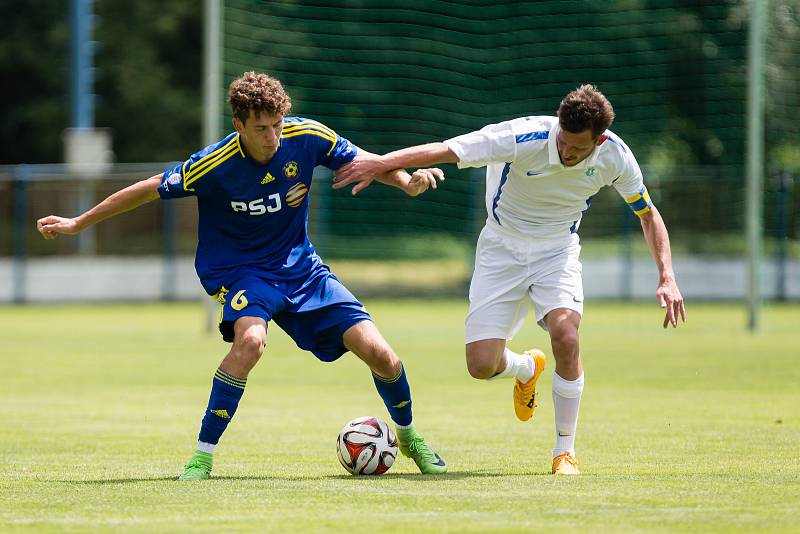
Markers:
396,395
226,390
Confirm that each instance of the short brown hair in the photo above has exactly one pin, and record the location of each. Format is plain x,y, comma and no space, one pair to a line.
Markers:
259,92
585,108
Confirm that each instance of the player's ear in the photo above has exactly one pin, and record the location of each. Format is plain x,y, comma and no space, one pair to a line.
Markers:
238,125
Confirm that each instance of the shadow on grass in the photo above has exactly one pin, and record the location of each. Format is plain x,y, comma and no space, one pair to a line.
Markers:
452,475
120,480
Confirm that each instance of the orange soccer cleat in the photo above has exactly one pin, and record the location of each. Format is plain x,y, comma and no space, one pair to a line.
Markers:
565,464
525,394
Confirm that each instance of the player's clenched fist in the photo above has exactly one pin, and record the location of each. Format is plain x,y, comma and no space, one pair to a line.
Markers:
52,225
422,179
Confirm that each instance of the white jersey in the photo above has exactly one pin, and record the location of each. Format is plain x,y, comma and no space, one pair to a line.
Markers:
528,190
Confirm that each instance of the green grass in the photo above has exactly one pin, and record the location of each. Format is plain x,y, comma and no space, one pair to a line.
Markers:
688,430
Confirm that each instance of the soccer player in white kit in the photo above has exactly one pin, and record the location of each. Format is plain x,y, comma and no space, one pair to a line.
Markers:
541,175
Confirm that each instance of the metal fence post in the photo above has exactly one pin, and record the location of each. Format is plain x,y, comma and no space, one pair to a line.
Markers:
784,191
86,240
320,214
169,271
626,256
19,226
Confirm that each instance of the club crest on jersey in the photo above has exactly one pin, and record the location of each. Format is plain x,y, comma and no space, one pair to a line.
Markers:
590,171
267,179
291,170
173,179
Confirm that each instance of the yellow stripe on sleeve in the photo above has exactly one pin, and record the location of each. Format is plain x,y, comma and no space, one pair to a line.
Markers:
196,169
220,159
197,165
309,132
239,145
290,132
295,133
309,124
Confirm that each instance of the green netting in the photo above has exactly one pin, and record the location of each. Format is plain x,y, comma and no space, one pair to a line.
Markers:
388,74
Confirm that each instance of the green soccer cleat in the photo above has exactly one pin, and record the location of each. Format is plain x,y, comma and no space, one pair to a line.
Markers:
199,467
413,445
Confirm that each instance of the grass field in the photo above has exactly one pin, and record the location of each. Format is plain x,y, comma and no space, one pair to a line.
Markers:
691,430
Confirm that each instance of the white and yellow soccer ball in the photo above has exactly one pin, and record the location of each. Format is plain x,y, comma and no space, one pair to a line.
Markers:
366,446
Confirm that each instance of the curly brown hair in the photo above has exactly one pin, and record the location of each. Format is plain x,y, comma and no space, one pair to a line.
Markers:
585,108
259,92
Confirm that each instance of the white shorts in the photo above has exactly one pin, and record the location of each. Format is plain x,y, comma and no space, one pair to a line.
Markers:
511,272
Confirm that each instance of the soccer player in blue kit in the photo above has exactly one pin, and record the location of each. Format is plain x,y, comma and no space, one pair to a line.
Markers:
254,255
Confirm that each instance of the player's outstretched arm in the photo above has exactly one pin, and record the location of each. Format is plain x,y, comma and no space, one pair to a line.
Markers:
123,200
668,294
367,167
413,184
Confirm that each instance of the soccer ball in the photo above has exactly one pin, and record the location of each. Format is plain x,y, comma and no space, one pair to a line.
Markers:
366,446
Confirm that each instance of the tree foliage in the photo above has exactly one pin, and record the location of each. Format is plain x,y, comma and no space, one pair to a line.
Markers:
34,67
149,72
148,78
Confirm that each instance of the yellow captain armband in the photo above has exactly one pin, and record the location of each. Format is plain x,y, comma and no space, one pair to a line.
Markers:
640,203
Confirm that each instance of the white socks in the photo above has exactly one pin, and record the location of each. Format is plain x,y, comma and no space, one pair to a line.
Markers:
202,446
566,397
566,401
519,366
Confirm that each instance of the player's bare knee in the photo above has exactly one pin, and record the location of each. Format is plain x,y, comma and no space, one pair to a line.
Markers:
390,360
365,341
249,347
483,358
565,345
383,361
481,365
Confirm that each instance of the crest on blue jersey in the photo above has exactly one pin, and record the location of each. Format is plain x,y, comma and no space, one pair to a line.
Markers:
174,179
291,170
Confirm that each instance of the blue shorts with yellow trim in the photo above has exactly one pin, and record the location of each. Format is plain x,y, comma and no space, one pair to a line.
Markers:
315,311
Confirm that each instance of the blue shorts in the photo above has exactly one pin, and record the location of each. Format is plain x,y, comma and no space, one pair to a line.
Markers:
315,311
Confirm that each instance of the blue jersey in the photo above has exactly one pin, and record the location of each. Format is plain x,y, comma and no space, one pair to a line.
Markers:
255,216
